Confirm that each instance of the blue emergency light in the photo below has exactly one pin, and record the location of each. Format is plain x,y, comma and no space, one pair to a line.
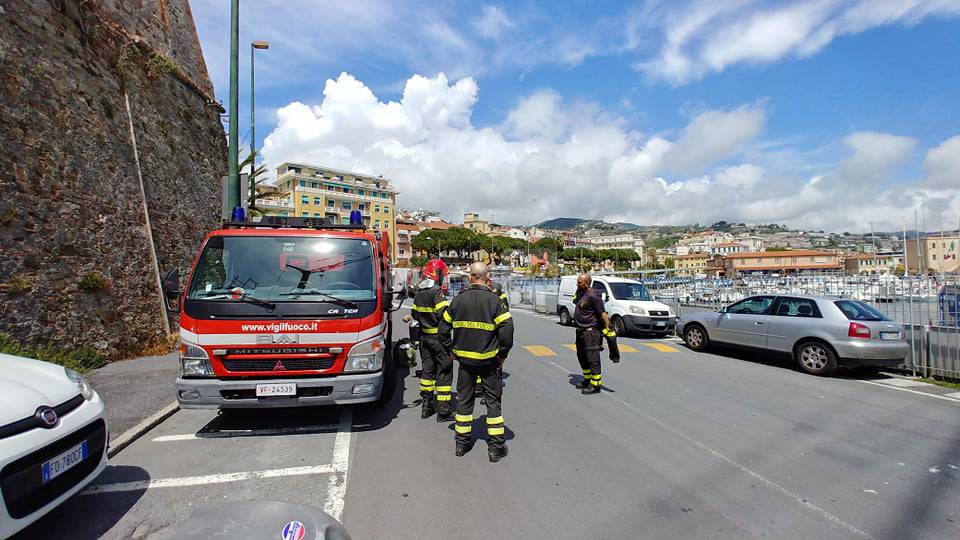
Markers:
356,218
239,214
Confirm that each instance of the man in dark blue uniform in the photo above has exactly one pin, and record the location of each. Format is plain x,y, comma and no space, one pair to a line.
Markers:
592,322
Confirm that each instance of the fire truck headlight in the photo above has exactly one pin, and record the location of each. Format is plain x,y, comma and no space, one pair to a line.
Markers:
194,361
365,356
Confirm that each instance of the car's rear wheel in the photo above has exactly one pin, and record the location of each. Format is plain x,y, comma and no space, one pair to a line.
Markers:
816,358
564,317
618,325
696,337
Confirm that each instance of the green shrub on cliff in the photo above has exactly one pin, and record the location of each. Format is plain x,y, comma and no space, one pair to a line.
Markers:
80,359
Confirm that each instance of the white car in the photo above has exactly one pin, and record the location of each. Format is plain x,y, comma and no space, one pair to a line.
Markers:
631,307
53,439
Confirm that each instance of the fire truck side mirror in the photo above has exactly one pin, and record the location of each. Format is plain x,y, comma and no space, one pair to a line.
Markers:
171,289
397,296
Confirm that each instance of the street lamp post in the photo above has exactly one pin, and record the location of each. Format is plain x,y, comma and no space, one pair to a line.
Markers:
254,45
233,174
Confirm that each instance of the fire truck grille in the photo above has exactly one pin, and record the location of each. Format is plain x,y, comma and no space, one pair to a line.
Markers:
278,364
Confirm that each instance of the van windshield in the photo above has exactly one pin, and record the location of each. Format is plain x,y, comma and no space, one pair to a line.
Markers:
282,269
630,291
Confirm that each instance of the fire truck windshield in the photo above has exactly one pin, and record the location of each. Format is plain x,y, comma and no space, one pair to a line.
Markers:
283,270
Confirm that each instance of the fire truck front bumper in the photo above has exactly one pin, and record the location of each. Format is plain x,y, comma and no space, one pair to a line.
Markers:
195,393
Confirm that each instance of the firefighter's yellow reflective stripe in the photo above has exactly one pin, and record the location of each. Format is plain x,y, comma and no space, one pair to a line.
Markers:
463,429
441,305
463,418
503,296
444,388
446,317
475,355
479,380
502,318
431,382
495,430
474,325
444,397
587,371
495,420
430,330
423,309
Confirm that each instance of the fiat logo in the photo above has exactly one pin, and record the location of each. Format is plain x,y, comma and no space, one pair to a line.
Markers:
47,417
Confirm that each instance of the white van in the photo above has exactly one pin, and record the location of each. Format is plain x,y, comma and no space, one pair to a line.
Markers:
631,307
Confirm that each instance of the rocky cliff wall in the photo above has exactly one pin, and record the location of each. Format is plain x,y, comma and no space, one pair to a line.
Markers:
75,257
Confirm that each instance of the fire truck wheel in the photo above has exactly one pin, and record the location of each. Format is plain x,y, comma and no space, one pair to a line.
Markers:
389,378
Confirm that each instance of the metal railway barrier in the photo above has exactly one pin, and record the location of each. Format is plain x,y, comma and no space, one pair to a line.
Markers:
927,306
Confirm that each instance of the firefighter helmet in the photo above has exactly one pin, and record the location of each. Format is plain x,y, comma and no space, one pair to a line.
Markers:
435,270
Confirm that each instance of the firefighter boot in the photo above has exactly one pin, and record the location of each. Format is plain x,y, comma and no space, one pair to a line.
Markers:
497,453
429,405
590,389
585,383
463,447
444,415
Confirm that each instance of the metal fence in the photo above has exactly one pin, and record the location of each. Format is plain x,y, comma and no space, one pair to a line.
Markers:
926,305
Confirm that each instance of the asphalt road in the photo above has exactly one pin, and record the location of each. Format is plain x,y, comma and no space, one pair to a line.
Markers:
679,445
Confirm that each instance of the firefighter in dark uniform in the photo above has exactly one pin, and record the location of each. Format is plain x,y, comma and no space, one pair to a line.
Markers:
592,324
498,290
478,330
429,305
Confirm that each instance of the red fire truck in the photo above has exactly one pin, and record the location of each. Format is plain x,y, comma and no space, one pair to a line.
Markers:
286,312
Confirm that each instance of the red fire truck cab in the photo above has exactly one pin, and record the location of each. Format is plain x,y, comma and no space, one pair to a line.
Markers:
285,312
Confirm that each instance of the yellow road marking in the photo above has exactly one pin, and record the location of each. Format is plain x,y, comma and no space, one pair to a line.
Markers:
627,348
571,346
661,347
539,350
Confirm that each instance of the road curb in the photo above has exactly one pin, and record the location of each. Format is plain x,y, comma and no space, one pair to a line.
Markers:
134,433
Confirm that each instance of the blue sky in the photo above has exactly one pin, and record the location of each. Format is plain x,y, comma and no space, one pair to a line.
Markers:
820,114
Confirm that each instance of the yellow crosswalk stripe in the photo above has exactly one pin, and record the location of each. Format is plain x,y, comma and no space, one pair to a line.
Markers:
661,347
539,350
571,346
626,348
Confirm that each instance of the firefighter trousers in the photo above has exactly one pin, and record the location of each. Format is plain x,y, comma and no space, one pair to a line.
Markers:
437,375
588,344
492,388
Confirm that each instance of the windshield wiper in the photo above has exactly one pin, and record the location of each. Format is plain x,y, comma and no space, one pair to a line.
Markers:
241,297
317,292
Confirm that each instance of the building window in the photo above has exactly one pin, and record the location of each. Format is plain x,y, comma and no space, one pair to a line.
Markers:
386,209
303,183
305,214
304,199
376,208
316,201
376,224
402,252
328,186
386,224
384,194
282,213
314,185
346,205
346,190
331,203
316,214
345,220
359,192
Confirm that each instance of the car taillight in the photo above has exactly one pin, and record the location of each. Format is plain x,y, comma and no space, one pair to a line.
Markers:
858,330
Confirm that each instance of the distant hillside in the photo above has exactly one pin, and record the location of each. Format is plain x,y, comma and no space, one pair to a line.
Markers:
560,223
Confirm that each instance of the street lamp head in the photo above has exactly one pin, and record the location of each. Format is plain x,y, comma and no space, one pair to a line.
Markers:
260,44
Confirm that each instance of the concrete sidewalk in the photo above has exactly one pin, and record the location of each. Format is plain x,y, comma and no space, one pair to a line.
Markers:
135,389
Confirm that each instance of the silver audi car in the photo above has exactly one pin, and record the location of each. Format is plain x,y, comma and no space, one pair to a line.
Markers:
821,333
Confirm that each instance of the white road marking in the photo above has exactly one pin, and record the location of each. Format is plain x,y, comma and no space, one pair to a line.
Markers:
559,366
337,489
142,485
229,434
898,382
776,487
900,389
952,395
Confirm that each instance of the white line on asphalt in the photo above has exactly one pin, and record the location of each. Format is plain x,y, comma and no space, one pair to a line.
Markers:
559,366
938,396
124,439
759,477
337,490
776,487
953,395
142,485
229,434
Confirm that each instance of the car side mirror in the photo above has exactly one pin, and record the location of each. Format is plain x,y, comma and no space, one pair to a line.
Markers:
170,283
397,296
603,296
724,309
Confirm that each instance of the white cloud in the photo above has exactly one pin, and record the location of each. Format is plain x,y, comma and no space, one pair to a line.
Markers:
577,159
704,36
492,22
712,136
943,165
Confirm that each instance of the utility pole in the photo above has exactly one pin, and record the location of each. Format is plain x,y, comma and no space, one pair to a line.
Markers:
233,178
254,45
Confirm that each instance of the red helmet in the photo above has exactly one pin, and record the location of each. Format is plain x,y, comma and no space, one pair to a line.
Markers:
435,270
